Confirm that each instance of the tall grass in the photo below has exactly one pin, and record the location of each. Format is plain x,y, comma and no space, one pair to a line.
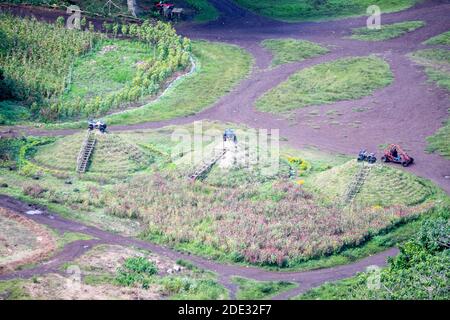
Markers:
342,79
37,61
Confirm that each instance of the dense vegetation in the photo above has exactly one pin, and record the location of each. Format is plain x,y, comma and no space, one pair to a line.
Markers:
437,68
290,50
307,10
219,67
40,76
269,220
387,31
343,79
420,271
139,271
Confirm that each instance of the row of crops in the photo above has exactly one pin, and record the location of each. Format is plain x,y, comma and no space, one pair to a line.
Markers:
36,62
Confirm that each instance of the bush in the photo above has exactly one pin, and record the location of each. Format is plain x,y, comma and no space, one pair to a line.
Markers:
136,270
420,271
34,190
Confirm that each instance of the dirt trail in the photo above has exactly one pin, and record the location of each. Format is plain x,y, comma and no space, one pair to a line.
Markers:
305,280
405,112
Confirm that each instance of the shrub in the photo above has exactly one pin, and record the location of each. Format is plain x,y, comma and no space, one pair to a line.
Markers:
136,270
33,189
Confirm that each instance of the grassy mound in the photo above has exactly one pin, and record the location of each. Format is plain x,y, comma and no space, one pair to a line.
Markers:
112,156
342,79
315,10
387,31
385,186
437,68
290,50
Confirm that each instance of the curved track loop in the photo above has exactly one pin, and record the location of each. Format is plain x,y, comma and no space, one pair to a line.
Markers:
406,112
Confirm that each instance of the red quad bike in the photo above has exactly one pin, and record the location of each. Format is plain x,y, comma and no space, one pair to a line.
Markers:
394,153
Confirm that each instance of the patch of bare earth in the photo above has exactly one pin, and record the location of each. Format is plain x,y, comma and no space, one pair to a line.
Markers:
57,287
22,241
108,258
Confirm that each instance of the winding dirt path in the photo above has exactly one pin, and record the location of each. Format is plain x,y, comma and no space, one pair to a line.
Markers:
406,112
305,280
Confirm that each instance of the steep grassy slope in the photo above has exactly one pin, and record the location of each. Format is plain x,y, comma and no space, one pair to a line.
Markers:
385,186
112,156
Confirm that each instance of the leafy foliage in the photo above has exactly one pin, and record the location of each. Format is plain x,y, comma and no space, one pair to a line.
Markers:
275,230
420,271
136,270
37,61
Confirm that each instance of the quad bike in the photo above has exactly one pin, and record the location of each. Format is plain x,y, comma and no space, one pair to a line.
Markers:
365,156
96,124
394,153
229,135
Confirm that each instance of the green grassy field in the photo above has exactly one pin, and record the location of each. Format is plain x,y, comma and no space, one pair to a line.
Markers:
291,50
437,68
219,68
343,79
136,185
109,68
75,73
260,290
311,10
384,185
387,31
442,39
